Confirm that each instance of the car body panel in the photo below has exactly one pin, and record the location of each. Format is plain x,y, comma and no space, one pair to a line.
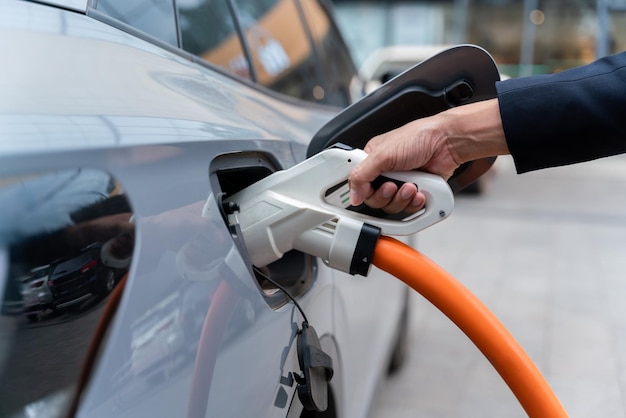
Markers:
163,165
78,5
136,82
79,94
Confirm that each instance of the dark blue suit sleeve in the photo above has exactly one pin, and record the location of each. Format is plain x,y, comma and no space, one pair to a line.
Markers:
568,117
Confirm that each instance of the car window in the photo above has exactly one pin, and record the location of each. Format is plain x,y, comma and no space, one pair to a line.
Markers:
155,17
281,53
208,30
290,46
335,62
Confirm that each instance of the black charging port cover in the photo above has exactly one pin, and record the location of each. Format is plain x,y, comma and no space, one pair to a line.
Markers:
317,370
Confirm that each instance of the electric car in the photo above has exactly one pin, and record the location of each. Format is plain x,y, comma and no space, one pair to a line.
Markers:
124,125
36,296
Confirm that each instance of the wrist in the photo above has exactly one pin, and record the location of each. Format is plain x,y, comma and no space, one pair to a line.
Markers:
474,131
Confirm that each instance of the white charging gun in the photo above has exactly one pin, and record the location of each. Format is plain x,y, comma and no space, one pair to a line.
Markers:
307,208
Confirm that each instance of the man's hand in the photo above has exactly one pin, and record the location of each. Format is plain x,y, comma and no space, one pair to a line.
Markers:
419,144
438,144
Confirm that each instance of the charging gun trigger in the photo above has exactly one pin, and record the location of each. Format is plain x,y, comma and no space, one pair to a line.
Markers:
380,180
439,204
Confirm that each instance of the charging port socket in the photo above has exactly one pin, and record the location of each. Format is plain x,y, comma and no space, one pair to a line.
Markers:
295,271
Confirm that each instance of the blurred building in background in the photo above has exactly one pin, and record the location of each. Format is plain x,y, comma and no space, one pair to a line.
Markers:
524,36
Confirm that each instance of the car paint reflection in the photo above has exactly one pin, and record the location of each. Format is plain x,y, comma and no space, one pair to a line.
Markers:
163,338
170,293
68,242
186,251
35,292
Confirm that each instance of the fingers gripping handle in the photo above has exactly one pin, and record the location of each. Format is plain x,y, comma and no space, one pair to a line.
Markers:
306,208
439,197
439,204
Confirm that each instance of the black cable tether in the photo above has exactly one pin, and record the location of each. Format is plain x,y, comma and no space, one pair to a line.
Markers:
282,289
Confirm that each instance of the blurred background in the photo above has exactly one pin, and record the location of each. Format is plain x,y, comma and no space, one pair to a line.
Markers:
524,36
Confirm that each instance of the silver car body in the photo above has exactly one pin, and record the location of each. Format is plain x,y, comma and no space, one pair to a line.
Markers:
35,291
78,93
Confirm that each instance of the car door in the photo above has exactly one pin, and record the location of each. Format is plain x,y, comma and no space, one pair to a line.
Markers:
194,329
171,137
156,126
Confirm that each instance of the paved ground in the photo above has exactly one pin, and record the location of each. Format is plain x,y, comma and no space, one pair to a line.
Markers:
546,252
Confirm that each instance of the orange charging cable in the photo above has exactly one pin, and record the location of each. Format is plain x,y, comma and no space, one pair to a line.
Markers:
475,320
221,309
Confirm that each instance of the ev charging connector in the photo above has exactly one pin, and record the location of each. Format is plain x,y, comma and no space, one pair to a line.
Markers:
306,208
